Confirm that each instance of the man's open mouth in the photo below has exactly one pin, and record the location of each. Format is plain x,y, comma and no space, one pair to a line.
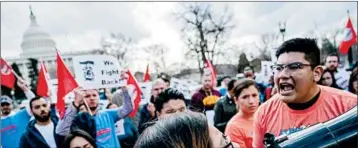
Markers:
286,89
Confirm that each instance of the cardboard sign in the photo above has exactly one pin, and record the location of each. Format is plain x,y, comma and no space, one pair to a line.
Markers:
97,71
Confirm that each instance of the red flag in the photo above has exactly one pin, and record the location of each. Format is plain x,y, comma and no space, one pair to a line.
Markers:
132,81
7,75
212,72
349,39
66,83
146,75
42,82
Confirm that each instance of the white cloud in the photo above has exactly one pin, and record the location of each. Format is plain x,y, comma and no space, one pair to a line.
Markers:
80,25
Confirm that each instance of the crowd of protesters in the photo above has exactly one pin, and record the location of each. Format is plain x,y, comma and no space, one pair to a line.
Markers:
300,93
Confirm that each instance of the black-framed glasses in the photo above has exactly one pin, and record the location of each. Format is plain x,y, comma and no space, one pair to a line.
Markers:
290,68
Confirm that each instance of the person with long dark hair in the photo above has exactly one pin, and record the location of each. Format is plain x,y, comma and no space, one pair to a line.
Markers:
353,82
328,79
240,126
186,129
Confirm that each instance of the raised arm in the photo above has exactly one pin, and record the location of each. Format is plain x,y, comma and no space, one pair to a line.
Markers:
63,126
123,110
127,106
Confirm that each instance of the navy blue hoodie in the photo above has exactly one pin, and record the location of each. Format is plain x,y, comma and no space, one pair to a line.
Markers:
32,138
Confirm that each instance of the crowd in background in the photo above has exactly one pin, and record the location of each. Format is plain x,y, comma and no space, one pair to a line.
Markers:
300,93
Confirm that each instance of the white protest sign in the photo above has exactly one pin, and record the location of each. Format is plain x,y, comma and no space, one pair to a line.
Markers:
146,89
266,71
120,127
97,71
181,86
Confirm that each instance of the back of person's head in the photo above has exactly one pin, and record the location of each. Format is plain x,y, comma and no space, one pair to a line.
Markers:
306,46
241,85
84,121
167,95
183,130
86,140
231,84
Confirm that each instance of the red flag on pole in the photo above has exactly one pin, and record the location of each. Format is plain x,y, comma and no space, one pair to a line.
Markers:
349,39
146,75
42,82
212,72
66,83
7,74
132,81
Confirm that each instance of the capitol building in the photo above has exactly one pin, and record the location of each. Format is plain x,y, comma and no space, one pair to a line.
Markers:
38,44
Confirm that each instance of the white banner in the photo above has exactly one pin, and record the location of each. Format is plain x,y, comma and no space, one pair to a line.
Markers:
266,71
97,71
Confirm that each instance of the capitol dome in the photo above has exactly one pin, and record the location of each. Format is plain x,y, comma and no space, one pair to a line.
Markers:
37,42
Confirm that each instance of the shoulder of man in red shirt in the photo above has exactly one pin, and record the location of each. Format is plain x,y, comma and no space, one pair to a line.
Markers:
338,100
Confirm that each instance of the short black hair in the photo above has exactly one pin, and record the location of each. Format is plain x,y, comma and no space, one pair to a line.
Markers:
231,84
167,95
79,133
303,45
34,99
332,55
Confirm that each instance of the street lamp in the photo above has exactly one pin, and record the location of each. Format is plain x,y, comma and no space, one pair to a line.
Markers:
282,27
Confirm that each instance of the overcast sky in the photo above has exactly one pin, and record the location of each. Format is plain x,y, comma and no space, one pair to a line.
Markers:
80,25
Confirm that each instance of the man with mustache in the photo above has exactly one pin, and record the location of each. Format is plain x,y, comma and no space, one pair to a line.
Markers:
104,119
41,131
332,64
300,101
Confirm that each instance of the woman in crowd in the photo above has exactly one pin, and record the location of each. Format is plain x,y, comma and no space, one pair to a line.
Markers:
130,134
240,127
79,139
186,129
328,79
353,82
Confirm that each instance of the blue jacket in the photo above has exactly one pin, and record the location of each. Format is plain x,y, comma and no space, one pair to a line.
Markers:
32,137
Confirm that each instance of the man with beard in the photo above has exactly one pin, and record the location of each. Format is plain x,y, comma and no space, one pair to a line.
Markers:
12,126
104,119
332,64
41,131
206,97
300,101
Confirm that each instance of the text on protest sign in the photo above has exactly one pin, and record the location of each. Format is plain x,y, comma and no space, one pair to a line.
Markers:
97,71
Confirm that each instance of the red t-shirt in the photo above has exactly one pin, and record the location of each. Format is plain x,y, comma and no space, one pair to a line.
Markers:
276,117
240,131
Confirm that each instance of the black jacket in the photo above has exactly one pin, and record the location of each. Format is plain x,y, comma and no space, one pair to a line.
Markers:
224,109
32,138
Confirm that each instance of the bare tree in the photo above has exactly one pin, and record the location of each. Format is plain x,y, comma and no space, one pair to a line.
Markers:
157,52
265,45
118,46
203,34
